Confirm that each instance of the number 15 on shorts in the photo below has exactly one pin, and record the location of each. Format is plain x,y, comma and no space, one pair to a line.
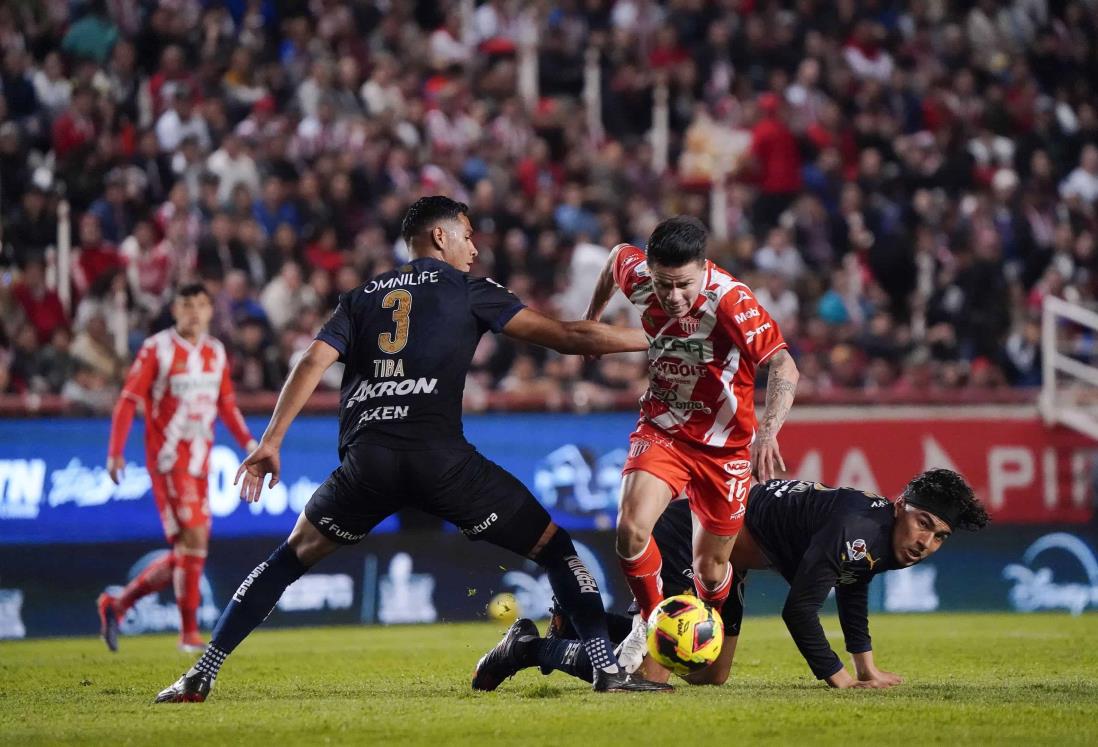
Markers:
739,481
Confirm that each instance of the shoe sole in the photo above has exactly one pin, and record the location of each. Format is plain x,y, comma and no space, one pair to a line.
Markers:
182,698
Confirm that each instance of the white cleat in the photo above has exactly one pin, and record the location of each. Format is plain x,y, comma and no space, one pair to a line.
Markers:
634,648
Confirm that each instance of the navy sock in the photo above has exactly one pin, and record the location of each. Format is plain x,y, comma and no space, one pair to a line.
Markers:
565,656
578,594
251,604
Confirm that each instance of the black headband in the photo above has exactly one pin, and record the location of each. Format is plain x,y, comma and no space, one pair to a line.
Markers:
947,511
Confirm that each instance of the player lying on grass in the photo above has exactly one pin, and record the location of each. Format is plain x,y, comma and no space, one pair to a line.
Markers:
407,338
697,431
818,538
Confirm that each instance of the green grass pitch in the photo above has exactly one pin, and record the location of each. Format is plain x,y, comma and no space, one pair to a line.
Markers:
1021,679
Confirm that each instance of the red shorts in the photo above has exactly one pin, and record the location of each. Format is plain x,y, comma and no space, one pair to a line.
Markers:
182,501
716,481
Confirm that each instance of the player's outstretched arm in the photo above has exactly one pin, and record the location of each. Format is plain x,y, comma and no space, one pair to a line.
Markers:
578,338
604,288
781,388
300,385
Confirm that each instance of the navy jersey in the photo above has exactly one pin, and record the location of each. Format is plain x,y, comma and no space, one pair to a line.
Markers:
407,338
821,538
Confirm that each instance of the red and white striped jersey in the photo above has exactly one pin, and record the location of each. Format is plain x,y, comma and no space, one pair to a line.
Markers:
701,368
183,387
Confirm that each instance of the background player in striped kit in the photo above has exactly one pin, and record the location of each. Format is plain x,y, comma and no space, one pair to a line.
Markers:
181,379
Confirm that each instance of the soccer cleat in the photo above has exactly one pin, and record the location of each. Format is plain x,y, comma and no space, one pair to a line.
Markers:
634,648
502,661
108,620
192,687
624,682
191,643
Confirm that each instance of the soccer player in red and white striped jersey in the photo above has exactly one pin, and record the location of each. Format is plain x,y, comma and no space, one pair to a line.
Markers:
697,432
181,378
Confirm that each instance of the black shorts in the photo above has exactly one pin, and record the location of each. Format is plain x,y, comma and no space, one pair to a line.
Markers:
674,536
485,501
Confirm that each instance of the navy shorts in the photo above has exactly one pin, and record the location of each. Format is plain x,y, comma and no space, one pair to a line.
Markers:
484,501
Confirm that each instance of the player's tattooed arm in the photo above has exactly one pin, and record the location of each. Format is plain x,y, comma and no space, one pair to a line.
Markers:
604,288
781,388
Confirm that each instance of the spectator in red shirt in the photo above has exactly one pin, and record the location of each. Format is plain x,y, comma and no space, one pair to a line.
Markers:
95,256
666,52
324,253
173,69
536,172
75,128
41,305
777,163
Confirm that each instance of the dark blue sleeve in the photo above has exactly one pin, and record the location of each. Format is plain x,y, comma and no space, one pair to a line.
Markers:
338,331
816,575
492,304
853,603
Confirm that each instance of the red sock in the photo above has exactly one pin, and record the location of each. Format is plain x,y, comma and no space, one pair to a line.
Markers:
188,576
716,597
156,576
643,575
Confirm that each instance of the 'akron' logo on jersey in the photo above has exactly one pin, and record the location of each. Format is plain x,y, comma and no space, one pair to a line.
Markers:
700,349
367,390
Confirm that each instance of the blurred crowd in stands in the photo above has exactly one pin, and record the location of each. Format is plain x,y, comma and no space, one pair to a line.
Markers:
902,183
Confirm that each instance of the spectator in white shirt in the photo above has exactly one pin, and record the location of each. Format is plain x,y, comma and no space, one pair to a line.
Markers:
1082,183
50,84
775,296
780,256
181,121
233,165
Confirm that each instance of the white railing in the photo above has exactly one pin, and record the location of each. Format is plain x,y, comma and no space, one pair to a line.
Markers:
1056,408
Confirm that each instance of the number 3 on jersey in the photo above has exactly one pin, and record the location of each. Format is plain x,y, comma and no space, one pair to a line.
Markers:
394,342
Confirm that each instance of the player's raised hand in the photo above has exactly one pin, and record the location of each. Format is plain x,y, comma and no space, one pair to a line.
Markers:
115,466
766,459
264,460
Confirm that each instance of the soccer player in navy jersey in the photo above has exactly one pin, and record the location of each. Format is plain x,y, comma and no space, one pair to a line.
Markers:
407,338
819,538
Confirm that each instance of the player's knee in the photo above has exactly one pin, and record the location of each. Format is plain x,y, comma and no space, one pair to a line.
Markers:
558,546
308,544
193,539
710,570
632,537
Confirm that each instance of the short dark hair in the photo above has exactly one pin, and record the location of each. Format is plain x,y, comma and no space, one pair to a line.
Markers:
192,289
949,491
677,241
425,212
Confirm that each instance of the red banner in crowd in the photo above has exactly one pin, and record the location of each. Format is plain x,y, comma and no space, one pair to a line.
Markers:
1023,471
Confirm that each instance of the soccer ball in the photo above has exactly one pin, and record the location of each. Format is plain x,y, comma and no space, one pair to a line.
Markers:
503,608
685,634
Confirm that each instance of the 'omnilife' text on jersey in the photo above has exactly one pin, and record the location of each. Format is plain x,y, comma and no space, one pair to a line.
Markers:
402,280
